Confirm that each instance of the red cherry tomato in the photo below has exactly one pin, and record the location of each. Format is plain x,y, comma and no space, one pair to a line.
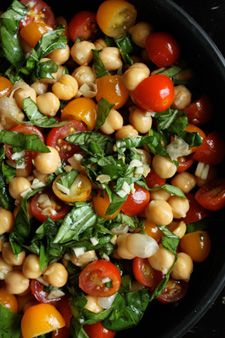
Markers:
136,201
92,278
211,196
174,291
200,111
37,290
82,26
212,150
38,11
196,212
64,332
41,214
155,93
144,273
162,49
153,179
64,308
185,162
56,137
97,330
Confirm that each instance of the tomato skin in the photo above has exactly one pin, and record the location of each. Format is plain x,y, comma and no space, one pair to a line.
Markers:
64,308
162,49
197,245
144,273
5,86
83,26
154,179
185,162
90,278
98,330
211,196
8,300
174,291
33,32
200,111
136,201
212,150
37,290
101,203
155,93
196,212
39,10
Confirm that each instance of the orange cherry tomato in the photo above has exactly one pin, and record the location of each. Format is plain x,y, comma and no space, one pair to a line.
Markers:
38,10
112,88
197,245
191,128
5,86
152,230
114,17
33,32
82,109
8,300
40,319
101,203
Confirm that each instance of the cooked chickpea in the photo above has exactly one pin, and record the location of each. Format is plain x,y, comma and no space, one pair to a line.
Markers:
135,74
163,166
40,87
31,267
6,221
23,93
48,104
126,131
84,74
160,194
122,250
4,268
100,44
113,122
162,260
81,52
17,186
56,275
140,120
159,212
47,163
178,228
185,181
10,258
87,257
182,97
65,88
60,55
110,57
16,282
183,267
139,33
179,205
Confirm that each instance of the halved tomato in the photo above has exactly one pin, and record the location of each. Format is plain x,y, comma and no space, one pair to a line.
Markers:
39,293
98,330
136,201
196,212
144,273
38,11
154,179
174,291
82,26
211,196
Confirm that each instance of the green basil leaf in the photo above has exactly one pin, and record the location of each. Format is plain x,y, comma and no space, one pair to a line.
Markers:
161,286
98,64
45,69
8,172
156,143
193,139
169,240
170,72
6,201
77,330
103,109
9,323
203,224
125,46
122,219
170,189
115,203
166,118
67,179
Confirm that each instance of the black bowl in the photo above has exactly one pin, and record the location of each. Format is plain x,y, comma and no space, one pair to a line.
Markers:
208,278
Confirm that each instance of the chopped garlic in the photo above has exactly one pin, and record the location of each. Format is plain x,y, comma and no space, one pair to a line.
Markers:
94,240
37,184
202,170
103,178
55,293
177,148
24,193
106,280
63,189
18,155
79,251
135,164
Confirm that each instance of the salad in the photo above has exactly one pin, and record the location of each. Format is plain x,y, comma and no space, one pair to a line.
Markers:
108,170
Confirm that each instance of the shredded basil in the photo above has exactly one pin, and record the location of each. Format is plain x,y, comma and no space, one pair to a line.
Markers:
98,64
125,46
67,179
103,109
169,240
203,224
9,323
170,189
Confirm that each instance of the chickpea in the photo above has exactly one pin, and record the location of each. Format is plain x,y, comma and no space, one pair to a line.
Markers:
4,268
139,33
6,221
111,59
81,52
23,93
126,131
162,260
17,186
160,194
182,97
47,163
48,104
178,228
23,172
179,205
163,166
60,55
185,181
41,177
183,267
39,87
113,122
10,258
141,120
87,257
65,88
135,74
56,275
84,74
31,267
122,250
159,212
141,245
16,282
100,44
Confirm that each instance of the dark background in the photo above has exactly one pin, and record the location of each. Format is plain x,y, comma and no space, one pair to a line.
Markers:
210,14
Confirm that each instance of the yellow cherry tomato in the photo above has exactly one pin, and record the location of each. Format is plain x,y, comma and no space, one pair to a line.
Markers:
5,86
82,109
40,319
8,300
79,191
115,17
33,32
100,204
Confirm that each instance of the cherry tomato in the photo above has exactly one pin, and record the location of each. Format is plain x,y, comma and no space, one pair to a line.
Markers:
112,88
196,244
115,17
8,300
5,86
41,319
81,109
37,290
174,291
196,212
101,203
155,93
38,11
55,138
64,308
212,150
162,49
211,196
200,111
82,26
152,230
33,32
191,128
154,179
144,273
98,330
56,211
184,163
136,201
64,332
100,278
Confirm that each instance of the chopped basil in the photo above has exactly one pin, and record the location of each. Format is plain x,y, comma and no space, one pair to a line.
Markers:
98,64
103,109
45,70
9,323
115,203
67,179
6,201
170,189
161,286
125,46
203,224
169,240
171,71
8,172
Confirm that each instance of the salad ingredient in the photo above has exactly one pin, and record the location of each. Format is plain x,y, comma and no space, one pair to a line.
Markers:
60,55
140,119
65,88
48,104
10,258
136,201
185,181
16,283
135,74
98,330
7,221
173,292
183,267
159,212
211,196
42,296
139,32
38,10
82,26
8,300
163,166
179,205
47,163
200,245
182,97
5,86
31,267
162,260
56,275
200,111
81,52
212,150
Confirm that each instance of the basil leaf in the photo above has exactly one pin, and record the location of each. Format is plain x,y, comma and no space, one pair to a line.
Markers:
8,172
115,203
25,142
6,201
203,224
193,139
9,323
156,143
103,109
170,241
67,179
45,70
125,46
98,64
166,118
161,286
77,330
170,189
132,222
170,72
